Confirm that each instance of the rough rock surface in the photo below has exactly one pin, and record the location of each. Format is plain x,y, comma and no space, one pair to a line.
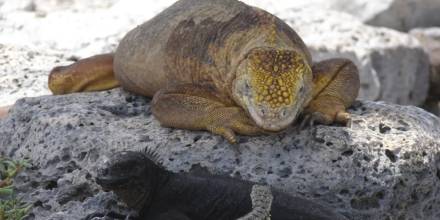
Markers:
385,166
393,66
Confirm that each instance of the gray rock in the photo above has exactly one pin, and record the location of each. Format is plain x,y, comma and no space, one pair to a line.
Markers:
402,15
430,39
385,166
393,66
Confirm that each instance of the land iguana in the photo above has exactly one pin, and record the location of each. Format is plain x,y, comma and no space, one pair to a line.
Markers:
221,66
155,193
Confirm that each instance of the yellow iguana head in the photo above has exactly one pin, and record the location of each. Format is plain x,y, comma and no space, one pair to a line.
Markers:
273,86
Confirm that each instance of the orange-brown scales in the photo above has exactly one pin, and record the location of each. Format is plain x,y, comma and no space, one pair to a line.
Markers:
221,66
274,75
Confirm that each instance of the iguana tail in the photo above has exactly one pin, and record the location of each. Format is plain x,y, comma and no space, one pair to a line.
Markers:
90,74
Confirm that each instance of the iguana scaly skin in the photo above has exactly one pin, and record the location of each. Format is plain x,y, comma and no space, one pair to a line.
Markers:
262,198
221,66
157,194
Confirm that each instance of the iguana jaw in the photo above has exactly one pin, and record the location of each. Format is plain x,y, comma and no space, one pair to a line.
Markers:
274,119
271,89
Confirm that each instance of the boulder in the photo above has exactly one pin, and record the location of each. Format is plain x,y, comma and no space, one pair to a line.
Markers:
430,40
402,15
393,66
384,166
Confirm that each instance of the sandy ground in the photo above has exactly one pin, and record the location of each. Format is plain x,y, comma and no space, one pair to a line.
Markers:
38,35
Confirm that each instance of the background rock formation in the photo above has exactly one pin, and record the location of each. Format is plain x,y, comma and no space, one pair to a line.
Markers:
430,39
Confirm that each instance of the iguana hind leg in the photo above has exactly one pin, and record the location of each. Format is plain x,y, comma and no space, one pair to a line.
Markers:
336,86
197,107
89,74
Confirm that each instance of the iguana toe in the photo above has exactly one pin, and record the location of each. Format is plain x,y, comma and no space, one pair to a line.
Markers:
229,130
226,132
246,127
310,119
343,117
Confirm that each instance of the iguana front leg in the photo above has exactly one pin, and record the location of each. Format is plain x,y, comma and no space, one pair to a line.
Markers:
335,87
198,107
262,198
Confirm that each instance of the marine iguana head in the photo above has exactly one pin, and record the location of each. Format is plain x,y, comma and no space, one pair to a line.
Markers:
273,86
133,176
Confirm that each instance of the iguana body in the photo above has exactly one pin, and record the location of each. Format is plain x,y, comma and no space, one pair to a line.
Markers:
157,194
221,66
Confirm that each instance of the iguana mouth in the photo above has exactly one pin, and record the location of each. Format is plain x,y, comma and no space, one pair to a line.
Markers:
109,183
274,119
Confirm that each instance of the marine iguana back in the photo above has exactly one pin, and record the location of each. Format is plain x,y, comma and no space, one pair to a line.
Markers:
156,193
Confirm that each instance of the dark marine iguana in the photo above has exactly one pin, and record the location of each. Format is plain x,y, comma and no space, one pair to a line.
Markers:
156,193
221,66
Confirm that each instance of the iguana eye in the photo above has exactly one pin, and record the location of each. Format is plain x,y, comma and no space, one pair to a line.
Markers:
283,113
